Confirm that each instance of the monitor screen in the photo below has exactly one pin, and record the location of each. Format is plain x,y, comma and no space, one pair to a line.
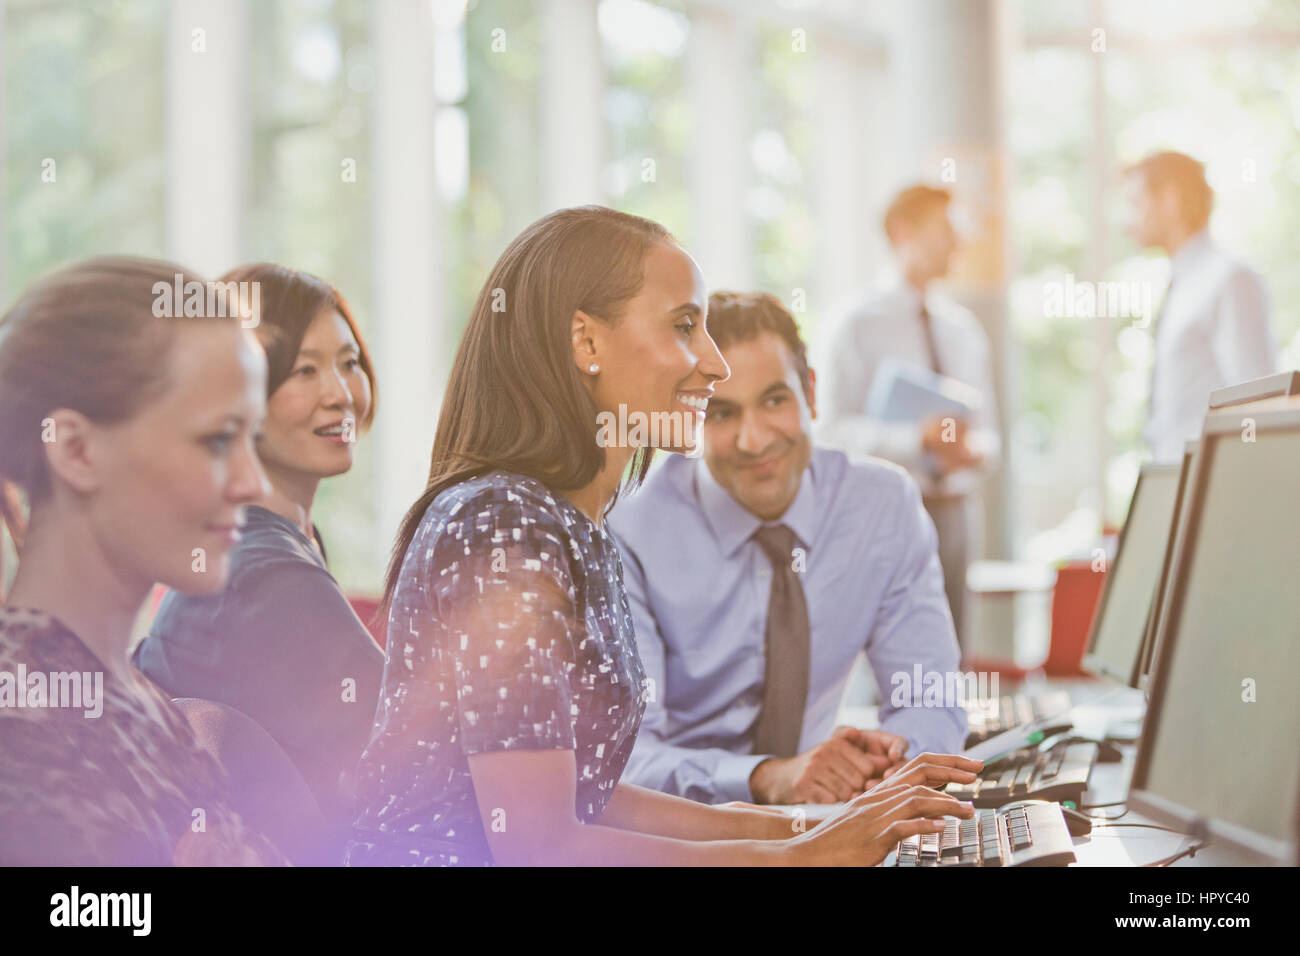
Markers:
1147,653
1225,721
1126,604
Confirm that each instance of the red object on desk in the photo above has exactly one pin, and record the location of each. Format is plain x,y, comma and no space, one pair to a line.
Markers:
1074,602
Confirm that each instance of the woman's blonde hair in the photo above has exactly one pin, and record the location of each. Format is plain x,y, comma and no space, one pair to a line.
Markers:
90,337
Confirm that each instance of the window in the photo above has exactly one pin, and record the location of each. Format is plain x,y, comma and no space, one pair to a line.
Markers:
83,134
1220,82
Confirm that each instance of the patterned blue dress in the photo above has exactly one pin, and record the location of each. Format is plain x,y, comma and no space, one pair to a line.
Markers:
509,630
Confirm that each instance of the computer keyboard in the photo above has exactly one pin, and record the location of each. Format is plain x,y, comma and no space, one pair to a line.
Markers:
1058,773
994,715
1016,836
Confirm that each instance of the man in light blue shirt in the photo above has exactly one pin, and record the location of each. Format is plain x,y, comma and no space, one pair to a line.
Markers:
747,651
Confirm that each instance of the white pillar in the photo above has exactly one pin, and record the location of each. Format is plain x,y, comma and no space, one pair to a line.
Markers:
1102,330
948,72
572,82
948,58
206,125
846,170
720,62
411,357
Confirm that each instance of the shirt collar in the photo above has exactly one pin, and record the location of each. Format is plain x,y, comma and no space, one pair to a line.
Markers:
909,297
1192,249
256,516
732,524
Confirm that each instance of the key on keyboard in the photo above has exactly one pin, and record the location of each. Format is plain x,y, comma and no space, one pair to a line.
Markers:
1061,773
1034,835
993,715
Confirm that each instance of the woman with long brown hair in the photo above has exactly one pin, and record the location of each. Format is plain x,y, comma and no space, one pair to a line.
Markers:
129,432
513,690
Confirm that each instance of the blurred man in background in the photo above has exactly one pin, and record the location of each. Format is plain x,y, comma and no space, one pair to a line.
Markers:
907,320
1213,328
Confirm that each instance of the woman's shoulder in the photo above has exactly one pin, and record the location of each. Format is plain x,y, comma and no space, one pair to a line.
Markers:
33,646
40,641
268,538
479,520
271,555
497,498
93,775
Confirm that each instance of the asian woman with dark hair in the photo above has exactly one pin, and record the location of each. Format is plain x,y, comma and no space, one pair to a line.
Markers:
281,643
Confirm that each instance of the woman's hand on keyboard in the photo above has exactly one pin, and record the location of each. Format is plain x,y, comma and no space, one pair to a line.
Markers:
869,826
930,770
933,770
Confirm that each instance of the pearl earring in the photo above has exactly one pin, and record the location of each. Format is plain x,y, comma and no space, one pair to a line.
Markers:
593,368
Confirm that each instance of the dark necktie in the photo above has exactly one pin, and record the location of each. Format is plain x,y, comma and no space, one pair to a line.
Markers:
785,679
928,329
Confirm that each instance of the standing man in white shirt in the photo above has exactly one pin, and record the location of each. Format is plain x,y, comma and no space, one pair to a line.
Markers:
1213,329
907,320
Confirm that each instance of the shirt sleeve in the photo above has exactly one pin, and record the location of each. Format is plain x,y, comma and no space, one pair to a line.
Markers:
709,775
914,627
505,590
1243,337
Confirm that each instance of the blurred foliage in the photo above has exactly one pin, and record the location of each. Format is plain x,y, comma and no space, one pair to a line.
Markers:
504,192
648,121
781,146
84,89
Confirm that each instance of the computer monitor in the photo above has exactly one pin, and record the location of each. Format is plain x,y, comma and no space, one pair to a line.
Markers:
1220,753
1270,386
1147,654
1124,609
1281,384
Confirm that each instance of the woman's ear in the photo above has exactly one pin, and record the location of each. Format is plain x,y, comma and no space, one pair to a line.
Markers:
70,440
584,343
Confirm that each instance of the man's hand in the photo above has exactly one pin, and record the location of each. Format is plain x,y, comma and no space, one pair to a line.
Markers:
945,438
880,743
940,433
833,771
